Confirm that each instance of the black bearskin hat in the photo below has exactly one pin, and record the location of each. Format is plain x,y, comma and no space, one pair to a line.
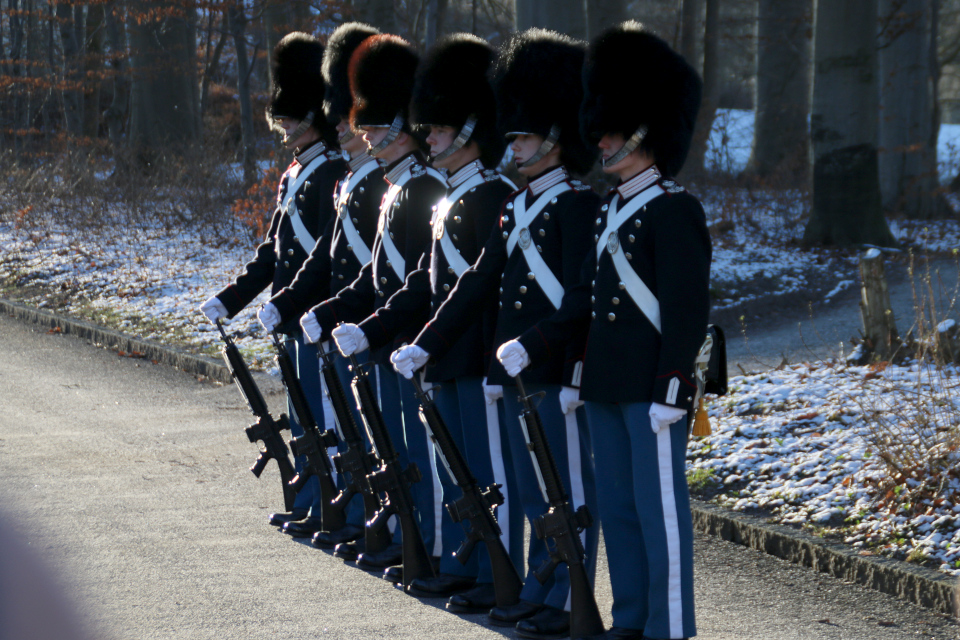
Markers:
664,96
537,84
381,81
451,85
336,59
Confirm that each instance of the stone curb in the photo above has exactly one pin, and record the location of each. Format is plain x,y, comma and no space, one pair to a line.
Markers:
190,363
919,585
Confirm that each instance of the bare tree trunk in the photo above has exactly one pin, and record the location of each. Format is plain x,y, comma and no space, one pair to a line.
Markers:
237,23
164,107
691,21
603,14
211,68
694,165
71,78
908,126
844,127
93,71
379,13
34,68
436,18
115,115
781,140
564,16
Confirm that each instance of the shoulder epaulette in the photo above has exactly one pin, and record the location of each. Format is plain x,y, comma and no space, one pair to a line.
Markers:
672,186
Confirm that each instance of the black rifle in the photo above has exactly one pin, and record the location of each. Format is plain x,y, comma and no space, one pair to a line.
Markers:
356,463
265,429
390,479
312,445
560,523
475,505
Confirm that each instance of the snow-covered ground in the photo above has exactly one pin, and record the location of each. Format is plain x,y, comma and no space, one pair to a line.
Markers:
869,454
799,442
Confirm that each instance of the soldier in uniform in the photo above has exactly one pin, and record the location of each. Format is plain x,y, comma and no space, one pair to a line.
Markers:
454,100
304,206
381,79
532,257
344,246
644,293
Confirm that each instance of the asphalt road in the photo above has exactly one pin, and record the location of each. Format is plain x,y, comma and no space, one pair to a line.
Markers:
803,330
130,481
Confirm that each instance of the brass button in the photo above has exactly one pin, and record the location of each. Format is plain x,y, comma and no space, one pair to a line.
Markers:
604,207
451,270
631,238
546,215
531,276
296,239
301,197
289,252
505,235
349,247
629,257
593,298
615,301
389,264
505,219
446,287
593,314
636,223
355,221
611,317
383,280
391,235
382,294
517,304
340,277
523,289
599,222
509,206
343,261
622,286
454,237
286,264
361,189
306,184
543,232
539,248
457,219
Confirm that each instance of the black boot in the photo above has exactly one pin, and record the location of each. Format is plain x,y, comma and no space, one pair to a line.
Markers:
546,624
441,586
509,616
482,598
380,560
346,551
280,519
330,539
303,528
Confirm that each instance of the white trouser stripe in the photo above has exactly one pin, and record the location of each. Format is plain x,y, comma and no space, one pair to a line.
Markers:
576,476
437,497
672,530
499,472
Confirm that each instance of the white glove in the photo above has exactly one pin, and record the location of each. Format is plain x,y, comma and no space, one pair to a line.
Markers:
513,357
569,399
407,360
269,317
311,328
215,310
350,339
662,416
491,392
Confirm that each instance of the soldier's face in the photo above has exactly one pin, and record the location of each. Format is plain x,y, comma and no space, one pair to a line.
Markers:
440,139
289,126
525,146
354,145
374,135
635,161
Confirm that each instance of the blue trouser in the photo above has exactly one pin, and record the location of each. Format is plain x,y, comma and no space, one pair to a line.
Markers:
475,427
400,409
305,357
569,441
647,525
341,365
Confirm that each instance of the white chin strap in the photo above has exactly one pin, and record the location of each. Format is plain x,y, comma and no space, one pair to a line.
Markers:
462,138
301,129
390,137
627,148
545,148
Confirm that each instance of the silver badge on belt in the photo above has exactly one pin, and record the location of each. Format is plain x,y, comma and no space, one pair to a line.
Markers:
613,242
438,228
524,239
